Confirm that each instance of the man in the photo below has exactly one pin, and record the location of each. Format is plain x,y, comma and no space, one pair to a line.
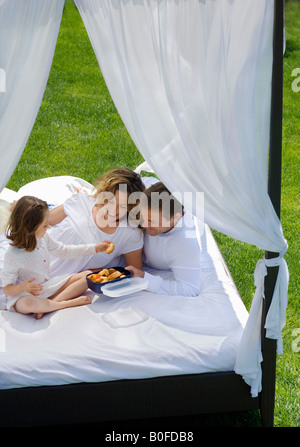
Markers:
170,245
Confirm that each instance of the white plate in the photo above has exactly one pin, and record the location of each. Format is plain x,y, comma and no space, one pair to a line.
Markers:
124,287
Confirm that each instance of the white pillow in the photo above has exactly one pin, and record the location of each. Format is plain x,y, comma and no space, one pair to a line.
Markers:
55,190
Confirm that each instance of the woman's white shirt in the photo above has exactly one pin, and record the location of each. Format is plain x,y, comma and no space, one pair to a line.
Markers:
79,227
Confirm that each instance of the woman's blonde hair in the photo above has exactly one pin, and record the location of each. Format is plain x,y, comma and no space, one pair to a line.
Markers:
113,179
27,215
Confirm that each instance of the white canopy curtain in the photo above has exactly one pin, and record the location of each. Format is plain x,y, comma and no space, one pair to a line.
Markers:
28,34
192,82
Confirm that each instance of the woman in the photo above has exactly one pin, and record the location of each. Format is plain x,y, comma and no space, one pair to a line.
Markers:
85,219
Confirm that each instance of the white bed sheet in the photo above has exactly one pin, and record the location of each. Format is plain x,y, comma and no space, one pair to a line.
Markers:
139,336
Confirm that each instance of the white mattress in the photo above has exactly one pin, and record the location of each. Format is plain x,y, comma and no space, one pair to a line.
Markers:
139,336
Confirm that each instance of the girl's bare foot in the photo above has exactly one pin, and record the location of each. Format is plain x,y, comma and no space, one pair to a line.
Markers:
80,301
75,302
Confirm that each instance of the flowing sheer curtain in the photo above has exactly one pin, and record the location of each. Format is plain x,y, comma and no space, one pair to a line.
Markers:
192,83
28,34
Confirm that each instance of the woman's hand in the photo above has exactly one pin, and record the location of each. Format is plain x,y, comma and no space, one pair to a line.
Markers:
135,272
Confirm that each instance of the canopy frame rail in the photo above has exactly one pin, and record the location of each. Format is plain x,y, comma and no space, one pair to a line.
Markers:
274,190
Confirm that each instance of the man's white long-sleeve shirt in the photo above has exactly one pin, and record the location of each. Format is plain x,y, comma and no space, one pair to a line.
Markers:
177,251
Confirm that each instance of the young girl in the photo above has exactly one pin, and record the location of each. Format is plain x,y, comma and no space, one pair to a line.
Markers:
25,273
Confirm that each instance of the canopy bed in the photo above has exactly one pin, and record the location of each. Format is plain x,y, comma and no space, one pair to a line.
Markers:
204,101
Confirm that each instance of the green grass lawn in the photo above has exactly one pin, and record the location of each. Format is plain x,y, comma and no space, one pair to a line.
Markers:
287,405
79,132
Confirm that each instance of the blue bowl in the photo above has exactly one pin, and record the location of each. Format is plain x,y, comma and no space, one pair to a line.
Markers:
96,286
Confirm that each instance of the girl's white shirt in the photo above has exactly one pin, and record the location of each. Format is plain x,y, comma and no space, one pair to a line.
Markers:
20,265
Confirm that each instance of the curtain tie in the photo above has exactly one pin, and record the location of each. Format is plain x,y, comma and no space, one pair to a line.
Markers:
276,317
249,356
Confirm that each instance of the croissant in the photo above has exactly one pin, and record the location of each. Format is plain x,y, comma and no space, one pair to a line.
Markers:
114,275
110,248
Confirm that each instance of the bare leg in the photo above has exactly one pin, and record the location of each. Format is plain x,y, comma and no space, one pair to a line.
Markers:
74,287
31,304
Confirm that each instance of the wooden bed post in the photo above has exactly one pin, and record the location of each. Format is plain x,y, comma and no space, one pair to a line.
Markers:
274,190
